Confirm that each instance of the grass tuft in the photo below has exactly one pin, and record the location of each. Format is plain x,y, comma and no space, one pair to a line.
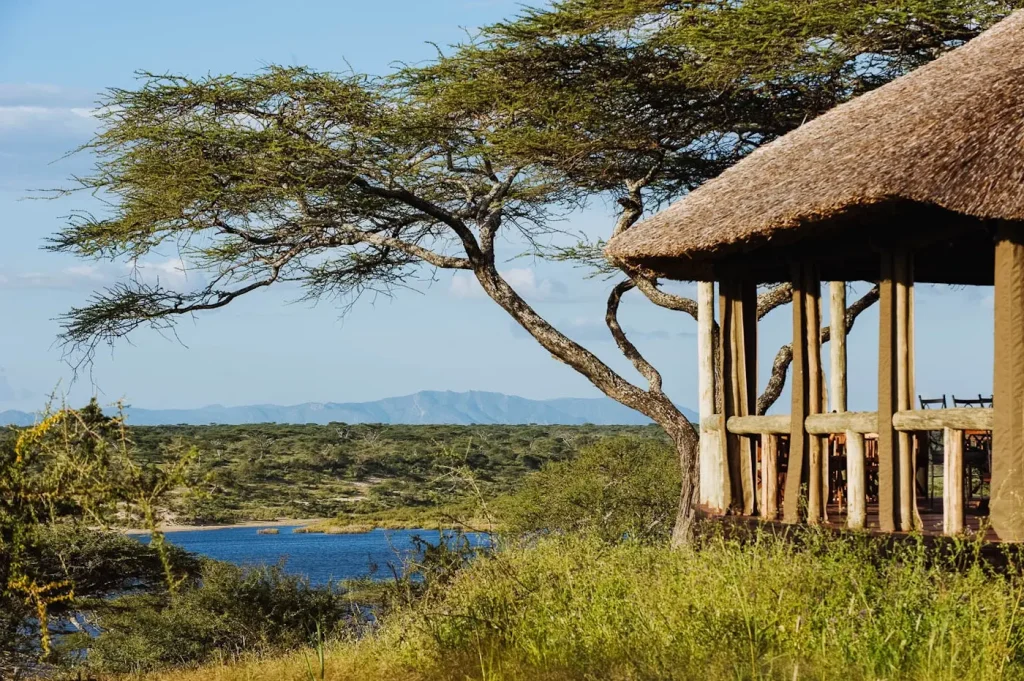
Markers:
571,607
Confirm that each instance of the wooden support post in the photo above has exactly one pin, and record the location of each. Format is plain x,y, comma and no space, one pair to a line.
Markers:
738,301
856,482
799,407
907,475
837,345
953,482
816,487
769,476
714,487
1007,495
888,463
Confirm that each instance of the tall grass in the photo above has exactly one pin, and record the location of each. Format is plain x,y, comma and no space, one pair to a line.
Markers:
572,607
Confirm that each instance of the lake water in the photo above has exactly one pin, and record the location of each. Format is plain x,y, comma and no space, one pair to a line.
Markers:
320,557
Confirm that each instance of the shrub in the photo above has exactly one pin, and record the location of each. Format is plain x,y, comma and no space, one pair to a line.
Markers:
615,488
568,608
230,611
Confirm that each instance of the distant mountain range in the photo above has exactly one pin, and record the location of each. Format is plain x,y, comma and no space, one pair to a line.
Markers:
424,407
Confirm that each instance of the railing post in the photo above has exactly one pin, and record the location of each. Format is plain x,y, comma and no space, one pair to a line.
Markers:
856,482
769,476
953,481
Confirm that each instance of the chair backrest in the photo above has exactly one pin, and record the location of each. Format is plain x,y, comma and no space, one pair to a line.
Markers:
933,403
971,402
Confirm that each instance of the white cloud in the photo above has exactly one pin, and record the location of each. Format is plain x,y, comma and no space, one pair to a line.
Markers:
45,108
39,93
523,279
46,118
171,273
74,277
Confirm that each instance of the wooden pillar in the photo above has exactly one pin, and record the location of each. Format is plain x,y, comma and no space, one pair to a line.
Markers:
738,334
817,488
856,482
1007,495
953,482
801,398
837,345
896,493
906,462
888,464
769,476
714,485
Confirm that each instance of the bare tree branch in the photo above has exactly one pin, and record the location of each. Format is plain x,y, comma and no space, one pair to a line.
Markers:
669,301
773,298
645,368
785,355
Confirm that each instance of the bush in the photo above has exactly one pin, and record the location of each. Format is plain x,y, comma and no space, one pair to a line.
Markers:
568,608
230,611
578,608
616,488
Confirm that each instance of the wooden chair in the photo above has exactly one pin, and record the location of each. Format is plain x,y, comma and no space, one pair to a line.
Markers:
977,454
936,449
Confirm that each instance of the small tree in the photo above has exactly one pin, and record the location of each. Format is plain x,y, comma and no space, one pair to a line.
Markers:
349,183
618,488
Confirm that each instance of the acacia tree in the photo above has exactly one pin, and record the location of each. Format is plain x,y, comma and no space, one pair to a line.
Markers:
350,183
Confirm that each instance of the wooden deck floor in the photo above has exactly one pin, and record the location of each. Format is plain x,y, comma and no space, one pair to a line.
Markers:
931,519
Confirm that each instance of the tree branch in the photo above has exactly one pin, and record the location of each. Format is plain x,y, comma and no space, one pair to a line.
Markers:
784,357
773,298
447,262
645,368
669,301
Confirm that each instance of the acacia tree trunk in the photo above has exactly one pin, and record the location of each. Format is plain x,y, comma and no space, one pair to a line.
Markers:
686,442
653,403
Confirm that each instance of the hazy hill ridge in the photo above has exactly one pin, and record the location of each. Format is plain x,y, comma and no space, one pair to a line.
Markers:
428,406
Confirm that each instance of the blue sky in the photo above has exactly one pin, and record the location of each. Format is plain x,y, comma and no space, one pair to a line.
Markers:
55,56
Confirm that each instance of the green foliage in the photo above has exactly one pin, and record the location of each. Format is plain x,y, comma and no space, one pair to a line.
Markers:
576,608
616,488
227,612
379,474
349,183
73,467
807,606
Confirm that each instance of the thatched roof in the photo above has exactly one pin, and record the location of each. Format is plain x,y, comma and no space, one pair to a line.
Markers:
931,158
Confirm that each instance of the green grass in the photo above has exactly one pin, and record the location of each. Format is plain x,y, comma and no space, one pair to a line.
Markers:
578,608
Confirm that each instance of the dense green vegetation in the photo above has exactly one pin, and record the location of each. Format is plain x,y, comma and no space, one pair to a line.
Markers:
364,474
804,607
229,611
614,489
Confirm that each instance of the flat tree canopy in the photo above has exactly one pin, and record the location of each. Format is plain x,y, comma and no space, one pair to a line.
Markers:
348,183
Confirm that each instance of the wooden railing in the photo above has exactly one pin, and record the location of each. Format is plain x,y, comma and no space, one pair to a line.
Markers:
856,424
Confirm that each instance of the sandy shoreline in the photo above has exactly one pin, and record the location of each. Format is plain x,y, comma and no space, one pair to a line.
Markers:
248,523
